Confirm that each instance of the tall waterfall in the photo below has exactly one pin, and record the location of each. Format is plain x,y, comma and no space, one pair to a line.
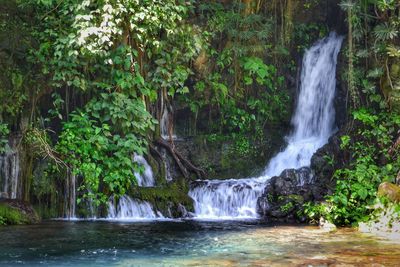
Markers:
313,122
314,117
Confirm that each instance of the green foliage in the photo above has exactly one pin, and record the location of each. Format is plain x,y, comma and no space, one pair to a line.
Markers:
15,75
3,137
385,213
162,197
374,38
245,92
120,56
306,34
371,51
371,165
242,146
99,155
287,207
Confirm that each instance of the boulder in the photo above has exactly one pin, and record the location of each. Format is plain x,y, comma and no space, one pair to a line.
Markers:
389,191
327,159
285,194
326,226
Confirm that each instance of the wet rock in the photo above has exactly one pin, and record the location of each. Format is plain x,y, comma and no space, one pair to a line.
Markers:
390,191
285,194
327,159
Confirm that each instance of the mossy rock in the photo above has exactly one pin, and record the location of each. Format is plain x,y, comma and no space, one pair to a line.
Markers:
168,199
389,191
17,212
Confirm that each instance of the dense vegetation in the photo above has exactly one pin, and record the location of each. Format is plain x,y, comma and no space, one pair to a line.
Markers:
373,78
86,84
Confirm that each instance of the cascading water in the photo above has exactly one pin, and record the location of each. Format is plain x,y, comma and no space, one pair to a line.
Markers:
166,128
227,199
70,196
314,117
313,124
10,180
131,209
146,179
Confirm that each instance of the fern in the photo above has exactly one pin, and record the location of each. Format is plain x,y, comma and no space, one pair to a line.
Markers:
375,73
385,31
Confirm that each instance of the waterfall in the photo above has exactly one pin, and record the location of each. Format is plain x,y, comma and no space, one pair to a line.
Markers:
10,180
70,195
315,115
227,199
165,128
146,179
131,209
313,123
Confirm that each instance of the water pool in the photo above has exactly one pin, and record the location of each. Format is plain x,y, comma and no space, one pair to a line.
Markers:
189,243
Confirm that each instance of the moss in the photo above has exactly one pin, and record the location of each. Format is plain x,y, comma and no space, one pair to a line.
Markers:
158,169
165,199
11,215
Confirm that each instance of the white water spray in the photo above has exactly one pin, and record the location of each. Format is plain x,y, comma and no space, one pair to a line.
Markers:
10,180
229,199
70,196
313,124
314,117
145,179
131,209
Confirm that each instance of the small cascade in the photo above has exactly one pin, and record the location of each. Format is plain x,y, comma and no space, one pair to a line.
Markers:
314,117
313,123
130,209
167,125
70,196
10,180
166,129
146,179
229,199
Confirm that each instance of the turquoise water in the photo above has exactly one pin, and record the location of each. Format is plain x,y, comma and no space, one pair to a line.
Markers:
188,243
